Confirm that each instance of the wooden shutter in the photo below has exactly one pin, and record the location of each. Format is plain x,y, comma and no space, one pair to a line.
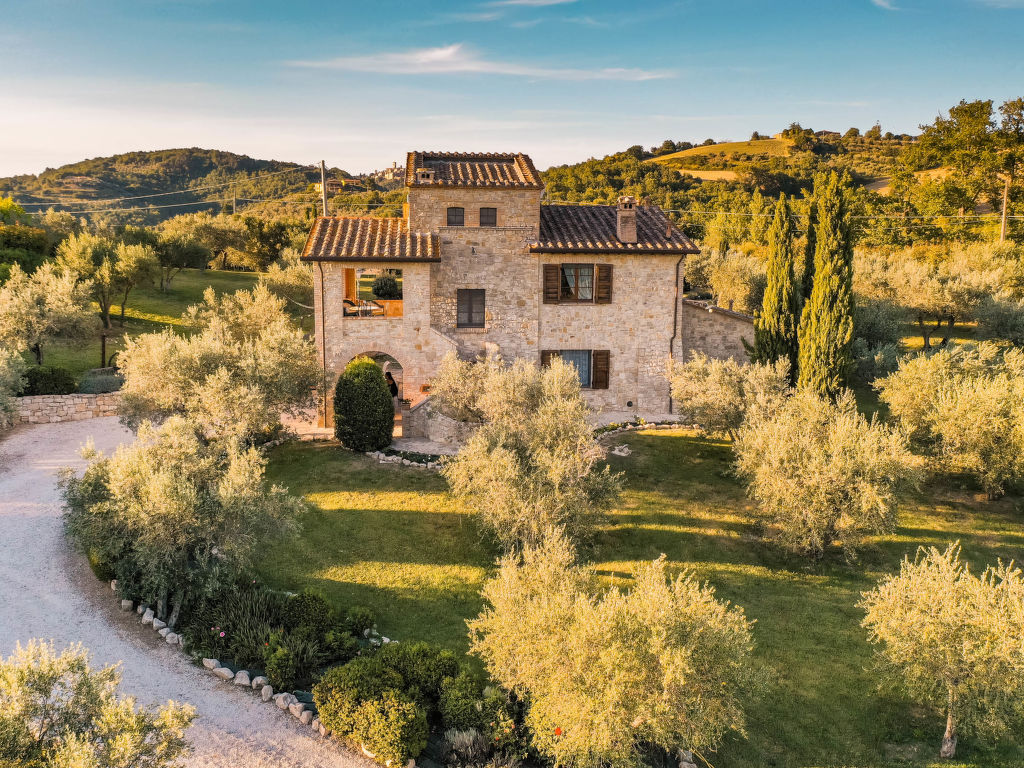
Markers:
545,357
552,283
599,367
603,284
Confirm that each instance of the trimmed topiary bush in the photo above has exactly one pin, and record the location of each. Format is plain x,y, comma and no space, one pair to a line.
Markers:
364,416
50,380
423,667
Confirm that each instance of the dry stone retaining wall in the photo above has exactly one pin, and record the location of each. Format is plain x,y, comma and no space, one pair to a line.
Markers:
49,409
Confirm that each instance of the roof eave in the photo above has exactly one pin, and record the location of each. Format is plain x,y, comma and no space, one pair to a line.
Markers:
623,251
388,259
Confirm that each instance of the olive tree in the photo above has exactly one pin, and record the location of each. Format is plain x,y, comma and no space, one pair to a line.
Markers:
610,674
243,367
821,474
57,711
965,405
37,308
177,517
533,465
716,395
291,279
12,378
952,640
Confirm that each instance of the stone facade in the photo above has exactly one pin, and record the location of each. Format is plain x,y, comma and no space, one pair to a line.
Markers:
48,409
717,332
640,327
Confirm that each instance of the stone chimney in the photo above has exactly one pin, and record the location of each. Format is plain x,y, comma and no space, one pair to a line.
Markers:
625,219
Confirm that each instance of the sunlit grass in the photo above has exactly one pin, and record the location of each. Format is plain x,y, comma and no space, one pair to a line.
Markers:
391,538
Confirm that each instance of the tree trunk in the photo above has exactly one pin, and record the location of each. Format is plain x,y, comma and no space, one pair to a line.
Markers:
949,739
161,605
925,333
105,314
176,602
124,301
37,350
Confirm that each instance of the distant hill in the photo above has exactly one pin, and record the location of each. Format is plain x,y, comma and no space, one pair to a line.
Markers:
207,176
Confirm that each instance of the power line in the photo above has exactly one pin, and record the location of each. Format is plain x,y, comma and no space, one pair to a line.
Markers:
175,192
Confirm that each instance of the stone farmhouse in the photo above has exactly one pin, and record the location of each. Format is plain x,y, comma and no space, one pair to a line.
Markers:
484,265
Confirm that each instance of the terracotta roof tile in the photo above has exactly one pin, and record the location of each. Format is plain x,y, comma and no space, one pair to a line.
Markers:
472,169
368,239
591,229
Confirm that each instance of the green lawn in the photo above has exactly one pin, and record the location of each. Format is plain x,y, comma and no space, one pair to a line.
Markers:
149,310
389,537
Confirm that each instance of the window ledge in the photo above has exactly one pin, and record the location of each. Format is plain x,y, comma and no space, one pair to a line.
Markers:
468,329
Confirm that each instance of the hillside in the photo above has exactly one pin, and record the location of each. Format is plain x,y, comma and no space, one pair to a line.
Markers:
208,178
736,151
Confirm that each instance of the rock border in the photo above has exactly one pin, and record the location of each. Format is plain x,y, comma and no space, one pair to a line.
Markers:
304,712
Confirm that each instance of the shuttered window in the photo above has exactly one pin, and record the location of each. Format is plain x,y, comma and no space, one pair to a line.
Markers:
593,365
552,283
603,284
488,217
456,217
471,304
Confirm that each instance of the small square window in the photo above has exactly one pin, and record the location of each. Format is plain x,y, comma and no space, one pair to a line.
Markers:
471,303
456,217
488,217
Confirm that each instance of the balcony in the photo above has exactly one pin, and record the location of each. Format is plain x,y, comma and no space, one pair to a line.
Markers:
372,308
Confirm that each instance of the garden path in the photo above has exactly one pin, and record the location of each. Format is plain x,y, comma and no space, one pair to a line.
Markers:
47,591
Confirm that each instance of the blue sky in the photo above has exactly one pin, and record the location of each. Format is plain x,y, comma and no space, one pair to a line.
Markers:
360,83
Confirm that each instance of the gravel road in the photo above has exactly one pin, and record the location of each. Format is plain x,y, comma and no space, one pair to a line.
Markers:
47,591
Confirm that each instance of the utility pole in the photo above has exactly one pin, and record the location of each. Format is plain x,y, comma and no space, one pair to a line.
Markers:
323,185
1006,204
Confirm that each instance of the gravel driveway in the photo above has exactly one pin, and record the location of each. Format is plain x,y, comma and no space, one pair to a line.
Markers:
47,591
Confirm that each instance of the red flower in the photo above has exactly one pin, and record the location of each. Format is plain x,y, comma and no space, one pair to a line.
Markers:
558,731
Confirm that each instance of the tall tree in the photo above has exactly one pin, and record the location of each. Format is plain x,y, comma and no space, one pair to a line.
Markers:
807,274
39,307
965,141
826,325
1011,151
776,325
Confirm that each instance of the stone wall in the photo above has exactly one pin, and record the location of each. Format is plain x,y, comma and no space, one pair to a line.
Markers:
428,207
48,409
715,331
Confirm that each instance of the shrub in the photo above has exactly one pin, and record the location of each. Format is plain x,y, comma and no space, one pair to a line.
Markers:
93,383
57,711
102,569
592,662
339,647
48,380
422,666
821,474
466,747
12,380
310,610
281,668
342,689
952,640
386,287
358,619
392,727
716,395
461,702
364,415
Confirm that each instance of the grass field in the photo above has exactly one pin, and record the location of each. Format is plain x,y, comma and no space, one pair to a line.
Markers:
390,538
763,147
149,310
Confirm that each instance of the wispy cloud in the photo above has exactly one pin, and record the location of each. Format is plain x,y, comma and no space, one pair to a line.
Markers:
458,59
585,21
885,5
1002,3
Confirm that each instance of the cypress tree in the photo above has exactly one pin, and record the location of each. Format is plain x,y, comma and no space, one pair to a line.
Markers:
775,329
807,278
826,324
